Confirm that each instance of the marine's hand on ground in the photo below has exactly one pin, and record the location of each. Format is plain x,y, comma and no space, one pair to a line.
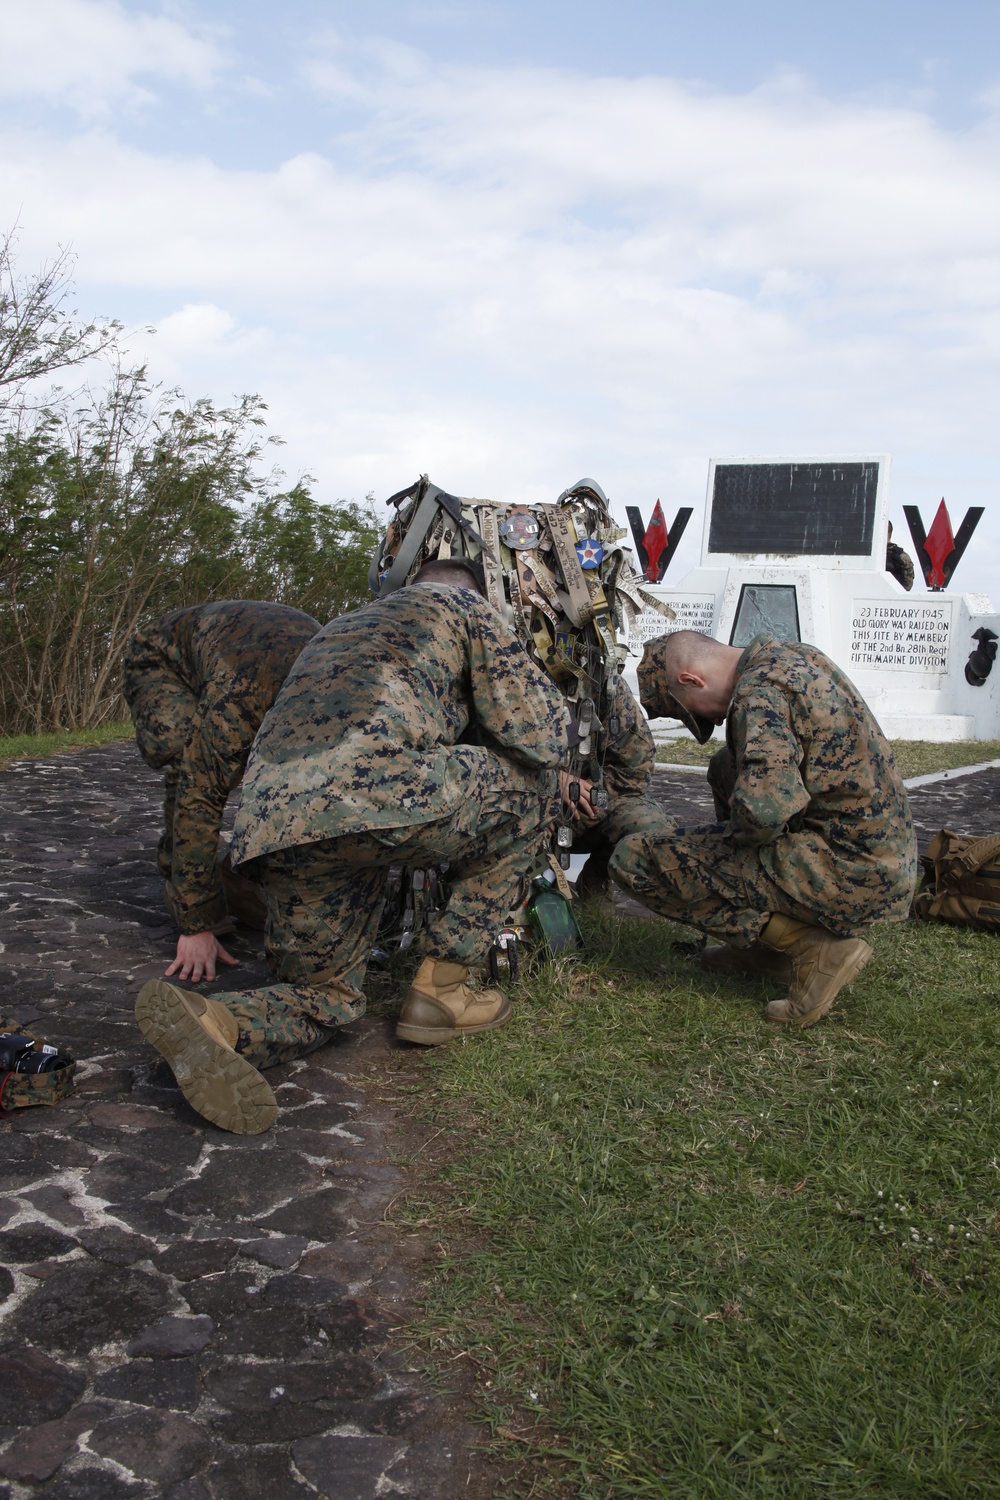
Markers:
197,953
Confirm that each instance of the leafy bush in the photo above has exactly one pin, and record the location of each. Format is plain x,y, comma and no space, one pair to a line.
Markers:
130,503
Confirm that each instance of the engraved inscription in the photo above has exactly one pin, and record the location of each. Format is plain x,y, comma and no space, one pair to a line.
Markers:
901,637
694,612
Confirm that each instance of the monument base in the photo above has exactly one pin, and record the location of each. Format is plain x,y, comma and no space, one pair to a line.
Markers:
939,729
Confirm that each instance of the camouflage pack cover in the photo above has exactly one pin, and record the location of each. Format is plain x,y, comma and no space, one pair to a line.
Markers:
557,572
18,1090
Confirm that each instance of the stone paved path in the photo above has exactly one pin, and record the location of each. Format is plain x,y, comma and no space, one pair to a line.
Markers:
186,1313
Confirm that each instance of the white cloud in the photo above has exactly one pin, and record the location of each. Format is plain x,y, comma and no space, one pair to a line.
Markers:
514,277
90,54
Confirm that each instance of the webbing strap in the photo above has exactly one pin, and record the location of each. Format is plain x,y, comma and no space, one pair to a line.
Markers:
527,578
979,853
491,567
577,603
411,544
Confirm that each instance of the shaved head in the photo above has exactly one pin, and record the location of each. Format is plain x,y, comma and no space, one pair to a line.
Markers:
690,651
689,676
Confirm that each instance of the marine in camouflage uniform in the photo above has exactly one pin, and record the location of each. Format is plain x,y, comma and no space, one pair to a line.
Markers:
816,825
198,684
357,767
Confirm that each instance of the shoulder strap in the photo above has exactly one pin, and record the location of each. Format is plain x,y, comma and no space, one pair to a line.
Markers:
978,853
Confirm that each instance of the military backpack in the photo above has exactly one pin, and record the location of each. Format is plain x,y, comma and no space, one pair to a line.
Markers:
961,881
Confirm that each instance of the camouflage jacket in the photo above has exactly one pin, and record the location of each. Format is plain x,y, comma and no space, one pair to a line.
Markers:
199,684
363,733
817,792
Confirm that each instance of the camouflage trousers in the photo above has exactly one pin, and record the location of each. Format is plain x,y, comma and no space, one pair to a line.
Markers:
164,712
324,903
625,816
695,875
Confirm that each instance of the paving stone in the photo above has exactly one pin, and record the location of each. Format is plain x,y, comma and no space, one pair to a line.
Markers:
347,1260
157,1445
6,1283
106,1081
34,1387
88,1483
226,1187
43,1269
122,1179
272,1403
269,1333
349,1324
88,1304
57,1204
152,1382
221,1296
40,1451
8,1208
434,1468
352,1468
281,1252
32,1241
226,1229
320,1117
263,1475
173,1337
116,1246
302,1291
190,1489
316,1216
196,1258
149,1219
129,1117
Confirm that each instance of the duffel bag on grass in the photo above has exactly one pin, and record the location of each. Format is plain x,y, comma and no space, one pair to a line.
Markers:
961,881
31,1070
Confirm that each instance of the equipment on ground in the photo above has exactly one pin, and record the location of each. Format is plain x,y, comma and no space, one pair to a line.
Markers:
31,1070
961,881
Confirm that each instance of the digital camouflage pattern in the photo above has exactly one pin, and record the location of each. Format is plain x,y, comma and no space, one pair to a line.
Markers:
817,823
364,732
357,769
198,685
899,564
325,899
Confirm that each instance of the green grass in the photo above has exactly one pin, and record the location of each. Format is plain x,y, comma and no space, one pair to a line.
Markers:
913,757
33,746
696,1256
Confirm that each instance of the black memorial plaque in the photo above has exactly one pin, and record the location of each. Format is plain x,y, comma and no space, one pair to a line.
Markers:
794,509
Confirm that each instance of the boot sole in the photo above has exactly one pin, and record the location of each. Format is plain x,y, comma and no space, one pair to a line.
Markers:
216,1081
434,1036
810,1017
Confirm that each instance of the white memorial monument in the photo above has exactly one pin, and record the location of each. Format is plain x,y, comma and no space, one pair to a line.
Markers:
797,547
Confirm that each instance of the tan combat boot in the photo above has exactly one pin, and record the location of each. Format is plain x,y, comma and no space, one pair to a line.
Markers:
197,1036
821,965
439,1006
757,960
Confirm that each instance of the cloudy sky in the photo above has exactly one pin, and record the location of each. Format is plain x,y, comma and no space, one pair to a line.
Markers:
511,244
